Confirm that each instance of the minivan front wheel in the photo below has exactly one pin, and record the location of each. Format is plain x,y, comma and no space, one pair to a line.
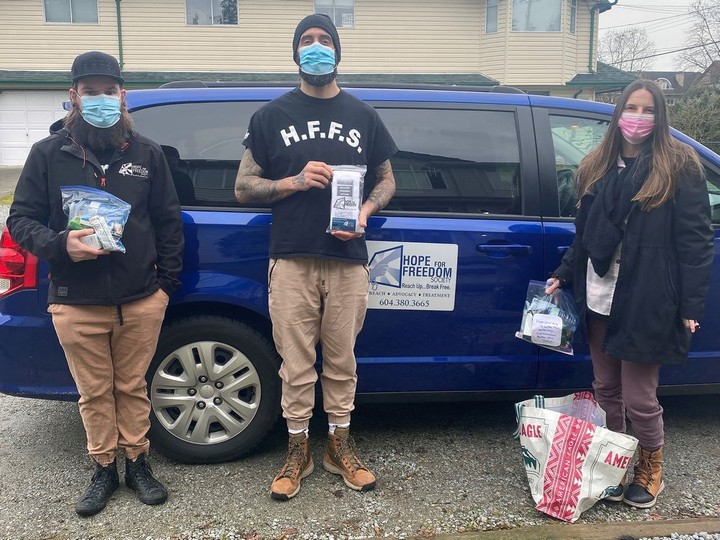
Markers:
214,389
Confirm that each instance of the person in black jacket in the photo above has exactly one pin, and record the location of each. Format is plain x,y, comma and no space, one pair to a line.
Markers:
107,307
640,268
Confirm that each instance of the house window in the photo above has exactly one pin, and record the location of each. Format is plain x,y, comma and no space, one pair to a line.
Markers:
211,12
536,15
664,84
573,16
342,12
71,11
491,16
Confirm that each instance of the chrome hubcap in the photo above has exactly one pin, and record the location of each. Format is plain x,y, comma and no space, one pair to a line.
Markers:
205,392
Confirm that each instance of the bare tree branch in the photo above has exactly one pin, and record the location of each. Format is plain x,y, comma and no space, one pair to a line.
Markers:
704,35
627,49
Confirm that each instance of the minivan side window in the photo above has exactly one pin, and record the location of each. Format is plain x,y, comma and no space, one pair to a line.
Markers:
449,161
454,161
206,142
573,138
713,185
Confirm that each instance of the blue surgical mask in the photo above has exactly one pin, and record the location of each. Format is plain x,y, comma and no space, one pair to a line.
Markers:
317,59
101,111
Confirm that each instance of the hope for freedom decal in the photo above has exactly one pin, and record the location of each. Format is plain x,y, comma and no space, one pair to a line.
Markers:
412,275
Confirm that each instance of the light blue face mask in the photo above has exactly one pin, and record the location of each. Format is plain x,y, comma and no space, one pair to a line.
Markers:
317,59
101,111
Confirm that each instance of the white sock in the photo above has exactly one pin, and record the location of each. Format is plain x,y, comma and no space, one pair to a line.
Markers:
332,427
306,431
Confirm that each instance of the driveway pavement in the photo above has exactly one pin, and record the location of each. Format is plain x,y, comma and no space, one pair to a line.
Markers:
8,179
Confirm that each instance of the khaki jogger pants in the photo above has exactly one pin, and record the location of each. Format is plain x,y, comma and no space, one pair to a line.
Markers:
317,300
108,350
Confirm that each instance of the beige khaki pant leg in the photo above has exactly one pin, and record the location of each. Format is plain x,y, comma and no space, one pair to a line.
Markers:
84,334
108,362
295,303
346,287
133,346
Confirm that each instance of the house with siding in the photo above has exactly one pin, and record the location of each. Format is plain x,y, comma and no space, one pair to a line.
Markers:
540,46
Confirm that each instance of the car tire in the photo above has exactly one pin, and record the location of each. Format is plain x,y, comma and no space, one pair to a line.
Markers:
214,389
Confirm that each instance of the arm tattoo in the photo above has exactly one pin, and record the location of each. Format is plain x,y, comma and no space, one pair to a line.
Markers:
250,186
299,180
384,186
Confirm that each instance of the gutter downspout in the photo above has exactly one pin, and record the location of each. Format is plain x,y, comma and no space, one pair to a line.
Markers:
602,6
119,32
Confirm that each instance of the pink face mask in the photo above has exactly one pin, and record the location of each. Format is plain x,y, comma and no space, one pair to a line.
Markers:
636,127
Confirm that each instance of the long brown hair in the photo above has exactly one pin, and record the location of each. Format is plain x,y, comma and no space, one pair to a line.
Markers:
669,158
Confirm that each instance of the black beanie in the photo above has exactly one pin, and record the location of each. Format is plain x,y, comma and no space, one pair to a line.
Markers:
316,20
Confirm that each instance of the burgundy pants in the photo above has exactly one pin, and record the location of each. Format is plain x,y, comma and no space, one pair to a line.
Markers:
625,388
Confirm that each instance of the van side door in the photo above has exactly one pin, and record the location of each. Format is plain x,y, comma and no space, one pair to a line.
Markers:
452,254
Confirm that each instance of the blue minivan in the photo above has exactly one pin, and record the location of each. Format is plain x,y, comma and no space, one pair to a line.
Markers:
485,203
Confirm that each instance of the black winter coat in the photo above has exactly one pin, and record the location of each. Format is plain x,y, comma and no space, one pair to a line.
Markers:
664,275
137,174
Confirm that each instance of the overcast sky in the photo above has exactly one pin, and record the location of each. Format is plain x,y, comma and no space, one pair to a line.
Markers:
666,22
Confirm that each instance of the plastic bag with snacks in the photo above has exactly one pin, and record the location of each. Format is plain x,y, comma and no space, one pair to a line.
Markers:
549,320
90,208
346,197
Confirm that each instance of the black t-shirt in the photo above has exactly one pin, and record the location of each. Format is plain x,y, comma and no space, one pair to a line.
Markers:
296,128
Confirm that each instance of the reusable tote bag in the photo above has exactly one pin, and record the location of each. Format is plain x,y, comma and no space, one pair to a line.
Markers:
570,457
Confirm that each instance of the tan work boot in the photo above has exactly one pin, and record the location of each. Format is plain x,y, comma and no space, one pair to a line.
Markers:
298,465
340,458
647,481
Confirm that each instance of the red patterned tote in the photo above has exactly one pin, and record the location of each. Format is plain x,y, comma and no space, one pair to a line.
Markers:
572,460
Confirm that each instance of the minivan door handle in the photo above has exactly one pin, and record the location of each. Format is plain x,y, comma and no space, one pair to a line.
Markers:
562,249
499,250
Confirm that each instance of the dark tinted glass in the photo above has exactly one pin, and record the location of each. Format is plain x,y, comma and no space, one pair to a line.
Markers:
457,161
208,139
449,161
713,184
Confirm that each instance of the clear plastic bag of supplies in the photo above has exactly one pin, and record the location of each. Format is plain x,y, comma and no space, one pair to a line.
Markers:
90,208
549,320
346,197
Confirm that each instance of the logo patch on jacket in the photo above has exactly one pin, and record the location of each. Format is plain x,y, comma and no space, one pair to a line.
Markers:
138,171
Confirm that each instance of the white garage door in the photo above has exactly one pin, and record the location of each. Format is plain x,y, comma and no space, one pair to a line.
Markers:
25,118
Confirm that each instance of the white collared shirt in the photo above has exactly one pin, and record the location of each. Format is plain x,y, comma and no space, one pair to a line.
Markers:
600,290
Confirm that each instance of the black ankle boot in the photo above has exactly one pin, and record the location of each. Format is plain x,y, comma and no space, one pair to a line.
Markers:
104,482
139,476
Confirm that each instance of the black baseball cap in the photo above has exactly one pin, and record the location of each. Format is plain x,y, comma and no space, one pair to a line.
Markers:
96,64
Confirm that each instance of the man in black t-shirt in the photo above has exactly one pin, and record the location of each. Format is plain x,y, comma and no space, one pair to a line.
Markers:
317,280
